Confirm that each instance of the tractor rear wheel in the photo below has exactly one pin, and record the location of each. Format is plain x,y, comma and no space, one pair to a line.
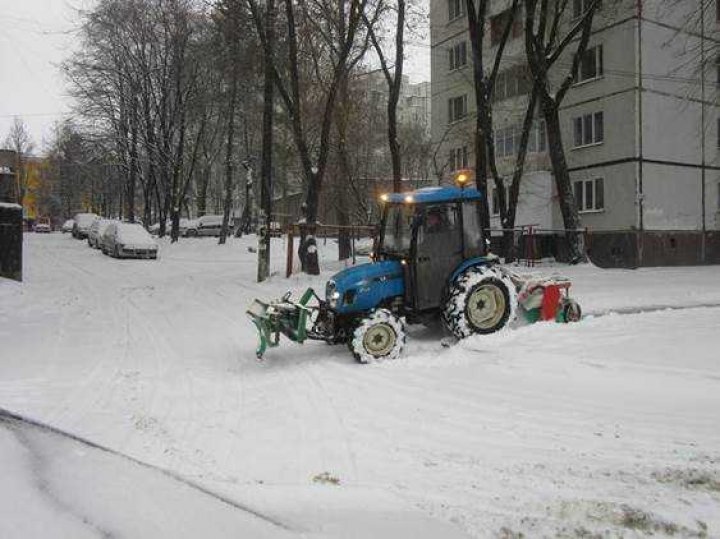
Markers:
380,336
483,300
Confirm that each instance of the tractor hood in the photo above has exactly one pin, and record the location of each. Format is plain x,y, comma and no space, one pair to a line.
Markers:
365,287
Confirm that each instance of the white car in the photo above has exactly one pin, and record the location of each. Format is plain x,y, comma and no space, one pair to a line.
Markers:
68,225
83,221
42,226
154,228
207,225
97,229
128,240
191,228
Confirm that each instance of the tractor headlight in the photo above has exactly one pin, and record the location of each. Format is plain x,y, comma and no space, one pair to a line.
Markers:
331,294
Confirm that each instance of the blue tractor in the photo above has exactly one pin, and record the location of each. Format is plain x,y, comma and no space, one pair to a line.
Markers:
429,260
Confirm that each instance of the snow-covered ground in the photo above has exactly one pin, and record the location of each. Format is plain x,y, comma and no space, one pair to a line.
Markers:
608,427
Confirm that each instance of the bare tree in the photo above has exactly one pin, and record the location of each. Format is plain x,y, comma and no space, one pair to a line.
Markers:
545,44
19,141
393,76
484,83
329,40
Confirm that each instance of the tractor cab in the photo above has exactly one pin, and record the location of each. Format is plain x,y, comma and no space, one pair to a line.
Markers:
431,231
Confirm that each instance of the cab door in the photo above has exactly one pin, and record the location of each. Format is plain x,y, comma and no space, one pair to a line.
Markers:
438,251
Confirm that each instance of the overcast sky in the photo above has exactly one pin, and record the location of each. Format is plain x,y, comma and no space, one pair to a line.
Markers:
37,35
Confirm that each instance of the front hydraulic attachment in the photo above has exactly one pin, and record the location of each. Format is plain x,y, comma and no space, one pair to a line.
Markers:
281,316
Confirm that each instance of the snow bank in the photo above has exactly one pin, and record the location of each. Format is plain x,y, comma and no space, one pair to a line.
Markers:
543,430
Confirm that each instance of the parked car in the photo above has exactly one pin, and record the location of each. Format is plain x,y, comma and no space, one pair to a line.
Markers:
97,229
191,228
209,225
154,228
83,221
183,226
68,225
128,240
42,226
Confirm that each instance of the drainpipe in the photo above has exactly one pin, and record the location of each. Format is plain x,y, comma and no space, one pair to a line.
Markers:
639,132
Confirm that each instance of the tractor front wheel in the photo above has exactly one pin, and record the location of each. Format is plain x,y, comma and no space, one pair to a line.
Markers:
482,300
380,336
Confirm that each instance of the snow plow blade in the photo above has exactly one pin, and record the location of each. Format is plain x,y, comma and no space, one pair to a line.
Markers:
258,314
280,316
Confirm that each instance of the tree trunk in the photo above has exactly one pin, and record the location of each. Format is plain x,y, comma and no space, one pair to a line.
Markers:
202,189
263,269
566,199
229,154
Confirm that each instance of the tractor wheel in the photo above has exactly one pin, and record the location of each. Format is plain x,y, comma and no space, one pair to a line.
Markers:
483,300
570,311
380,336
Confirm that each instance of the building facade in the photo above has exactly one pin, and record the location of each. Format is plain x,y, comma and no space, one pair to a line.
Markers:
640,125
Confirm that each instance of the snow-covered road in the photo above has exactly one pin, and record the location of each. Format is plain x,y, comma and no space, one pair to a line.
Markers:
610,426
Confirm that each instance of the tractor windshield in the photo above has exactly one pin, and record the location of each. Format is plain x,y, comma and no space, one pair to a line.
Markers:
397,229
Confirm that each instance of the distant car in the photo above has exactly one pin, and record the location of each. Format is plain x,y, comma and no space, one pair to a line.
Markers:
128,240
209,225
83,221
42,226
95,234
68,225
191,228
183,226
154,228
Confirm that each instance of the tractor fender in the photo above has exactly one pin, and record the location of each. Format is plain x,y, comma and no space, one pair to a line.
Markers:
488,260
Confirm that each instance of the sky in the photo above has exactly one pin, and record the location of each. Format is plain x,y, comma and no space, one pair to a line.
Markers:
37,35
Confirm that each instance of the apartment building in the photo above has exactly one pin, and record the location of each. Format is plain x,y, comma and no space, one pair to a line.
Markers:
641,123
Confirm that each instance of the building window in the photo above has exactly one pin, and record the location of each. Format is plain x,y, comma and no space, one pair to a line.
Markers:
507,139
458,55
455,9
537,142
591,65
589,129
512,82
589,195
458,158
581,6
498,24
457,108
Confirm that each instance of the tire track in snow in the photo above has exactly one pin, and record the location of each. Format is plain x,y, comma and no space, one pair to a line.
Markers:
651,309
94,382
